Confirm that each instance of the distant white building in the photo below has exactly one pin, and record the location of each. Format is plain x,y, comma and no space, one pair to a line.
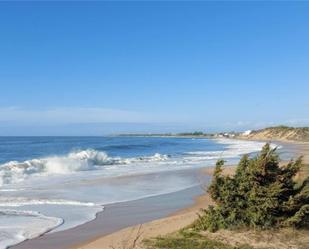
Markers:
247,133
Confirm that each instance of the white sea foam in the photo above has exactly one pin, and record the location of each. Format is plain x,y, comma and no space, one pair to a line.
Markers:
10,190
22,201
55,183
14,171
89,160
11,234
234,149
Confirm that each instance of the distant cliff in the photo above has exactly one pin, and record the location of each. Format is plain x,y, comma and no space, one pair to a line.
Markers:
283,133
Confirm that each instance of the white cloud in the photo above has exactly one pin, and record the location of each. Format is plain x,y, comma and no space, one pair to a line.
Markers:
68,115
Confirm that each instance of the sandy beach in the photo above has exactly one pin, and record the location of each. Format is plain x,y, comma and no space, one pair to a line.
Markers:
127,224
124,214
132,237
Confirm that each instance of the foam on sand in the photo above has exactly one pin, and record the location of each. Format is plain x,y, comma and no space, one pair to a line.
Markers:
10,234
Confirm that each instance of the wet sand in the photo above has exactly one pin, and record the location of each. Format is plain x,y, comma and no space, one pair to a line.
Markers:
120,215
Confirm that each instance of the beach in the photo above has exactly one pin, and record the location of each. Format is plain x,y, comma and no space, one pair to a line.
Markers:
122,224
118,117
134,235
125,214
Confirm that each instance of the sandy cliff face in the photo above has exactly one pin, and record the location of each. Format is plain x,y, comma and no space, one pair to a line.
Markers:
280,133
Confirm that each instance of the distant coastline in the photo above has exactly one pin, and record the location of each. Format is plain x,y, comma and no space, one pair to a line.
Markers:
276,133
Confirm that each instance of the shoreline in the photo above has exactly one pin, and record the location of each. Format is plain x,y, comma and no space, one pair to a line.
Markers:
179,219
163,222
169,224
117,216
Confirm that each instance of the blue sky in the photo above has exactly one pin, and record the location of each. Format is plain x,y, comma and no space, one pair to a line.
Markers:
78,68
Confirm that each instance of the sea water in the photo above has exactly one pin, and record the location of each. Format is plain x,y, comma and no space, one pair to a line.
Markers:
50,184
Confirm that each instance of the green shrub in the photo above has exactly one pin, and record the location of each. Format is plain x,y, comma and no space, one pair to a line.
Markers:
189,241
261,194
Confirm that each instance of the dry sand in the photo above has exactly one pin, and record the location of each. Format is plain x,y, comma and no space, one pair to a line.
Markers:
132,237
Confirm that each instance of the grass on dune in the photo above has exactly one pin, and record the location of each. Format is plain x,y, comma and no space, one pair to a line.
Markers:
189,240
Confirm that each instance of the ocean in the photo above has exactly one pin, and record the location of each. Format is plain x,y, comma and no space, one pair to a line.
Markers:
50,184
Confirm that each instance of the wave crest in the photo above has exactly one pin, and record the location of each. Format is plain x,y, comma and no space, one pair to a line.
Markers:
14,171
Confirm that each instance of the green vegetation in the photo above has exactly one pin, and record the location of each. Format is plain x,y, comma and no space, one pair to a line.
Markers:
261,194
189,240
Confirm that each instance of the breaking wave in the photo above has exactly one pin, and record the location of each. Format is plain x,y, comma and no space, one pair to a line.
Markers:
14,171
90,159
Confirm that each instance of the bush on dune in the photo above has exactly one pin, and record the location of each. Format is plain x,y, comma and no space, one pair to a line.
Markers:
261,194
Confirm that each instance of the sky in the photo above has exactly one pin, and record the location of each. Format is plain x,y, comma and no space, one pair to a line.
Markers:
93,68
